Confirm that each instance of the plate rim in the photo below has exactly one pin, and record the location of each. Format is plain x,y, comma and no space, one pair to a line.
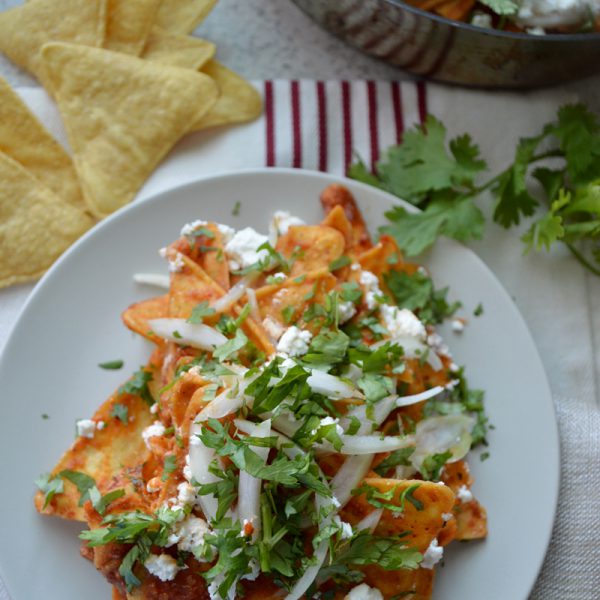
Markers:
162,195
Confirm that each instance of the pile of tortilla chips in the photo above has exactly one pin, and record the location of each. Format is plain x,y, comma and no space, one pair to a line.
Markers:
129,83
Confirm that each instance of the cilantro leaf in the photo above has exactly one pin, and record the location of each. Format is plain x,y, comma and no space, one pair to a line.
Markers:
328,347
502,7
232,346
138,386
112,365
169,465
338,263
49,486
121,412
101,503
83,482
432,465
397,458
200,311
390,553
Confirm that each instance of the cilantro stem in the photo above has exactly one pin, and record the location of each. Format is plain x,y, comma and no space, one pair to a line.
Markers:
582,260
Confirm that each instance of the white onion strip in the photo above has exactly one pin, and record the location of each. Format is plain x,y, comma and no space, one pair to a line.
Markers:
369,522
367,444
154,279
413,348
231,296
254,310
249,486
222,405
187,334
350,474
415,398
369,422
331,386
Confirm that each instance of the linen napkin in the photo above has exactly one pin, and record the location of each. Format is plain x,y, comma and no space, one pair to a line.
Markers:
322,125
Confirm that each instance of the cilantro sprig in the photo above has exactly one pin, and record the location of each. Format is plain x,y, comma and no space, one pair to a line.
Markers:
442,178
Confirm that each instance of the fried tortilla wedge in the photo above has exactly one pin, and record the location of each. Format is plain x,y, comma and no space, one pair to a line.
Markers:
122,115
24,30
27,141
117,447
137,315
36,225
128,24
177,50
238,102
183,16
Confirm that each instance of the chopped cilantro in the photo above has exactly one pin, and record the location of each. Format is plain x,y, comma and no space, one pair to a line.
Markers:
351,292
83,482
397,458
338,263
169,465
231,347
235,211
112,365
49,486
121,412
432,466
478,310
224,490
484,456
200,311
101,503
288,314
138,386
45,416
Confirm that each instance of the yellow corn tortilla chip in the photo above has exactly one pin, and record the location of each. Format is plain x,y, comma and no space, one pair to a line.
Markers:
178,50
28,142
128,24
183,16
36,226
25,29
122,115
238,101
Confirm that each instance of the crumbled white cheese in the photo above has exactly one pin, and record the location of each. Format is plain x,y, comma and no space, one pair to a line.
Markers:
464,494
446,517
355,267
331,421
346,310
402,322
370,283
453,368
458,325
480,19
176,264
100,425
242,251
155,430
162,566
432,556
162,253
536,31
86,428
294,341
364,592
345,529
281,222
187,470
273,328
186,493
189,533
335,502
226,232
189,228
436,343
154,408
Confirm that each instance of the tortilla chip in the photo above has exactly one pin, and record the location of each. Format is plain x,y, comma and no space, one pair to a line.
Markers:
24,30
238,101
177,50
116,447
128,24
183,16
26,140
338,195
136,317
36,226
122,115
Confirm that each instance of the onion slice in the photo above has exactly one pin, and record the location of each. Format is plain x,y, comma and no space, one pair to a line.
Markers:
331,386
367,444
380,410
222,405
187,334
254,310
249,486
370,522
350,474
415,398
234,294
155,279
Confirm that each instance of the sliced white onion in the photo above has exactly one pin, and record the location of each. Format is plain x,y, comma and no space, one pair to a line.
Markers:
231,296
286,424
254,310
155,279
370,522
188,334
437,435
249,486
367,444
300,587
200,459
222,405
415,398
348,477
375,417
331,386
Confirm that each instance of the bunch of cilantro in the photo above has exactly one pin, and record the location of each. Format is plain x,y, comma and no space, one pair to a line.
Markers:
443,180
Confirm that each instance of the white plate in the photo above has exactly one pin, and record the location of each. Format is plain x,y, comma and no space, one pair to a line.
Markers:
71,323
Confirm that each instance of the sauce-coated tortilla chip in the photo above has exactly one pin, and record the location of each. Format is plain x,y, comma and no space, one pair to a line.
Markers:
403,583
128,24
177,50
122,115
26,140
238,102
36,226
183,16
338,195
24,30
116,447
136,317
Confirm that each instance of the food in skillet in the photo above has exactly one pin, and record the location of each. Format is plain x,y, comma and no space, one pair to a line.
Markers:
298,431
536,17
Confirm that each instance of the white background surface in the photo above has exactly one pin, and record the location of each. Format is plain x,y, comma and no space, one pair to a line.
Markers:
560,302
